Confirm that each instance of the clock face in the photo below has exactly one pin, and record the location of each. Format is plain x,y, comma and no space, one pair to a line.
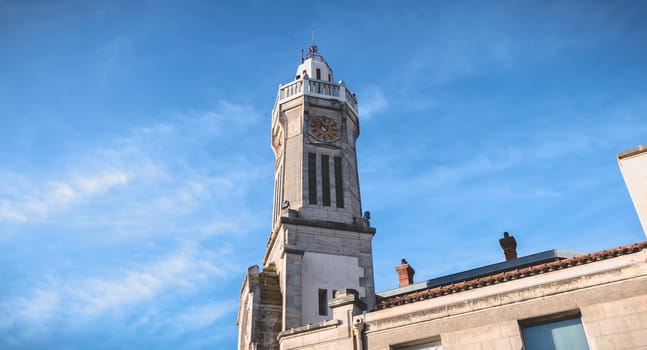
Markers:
324,128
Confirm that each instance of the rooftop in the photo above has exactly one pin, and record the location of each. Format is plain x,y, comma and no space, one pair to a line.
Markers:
531,265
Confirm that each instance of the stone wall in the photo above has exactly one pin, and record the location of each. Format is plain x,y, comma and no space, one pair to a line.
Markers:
633,166
260,310
618,324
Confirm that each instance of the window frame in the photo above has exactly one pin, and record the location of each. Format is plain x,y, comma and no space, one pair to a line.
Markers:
312,178
325,180
551,318
433,343
339,182
322,300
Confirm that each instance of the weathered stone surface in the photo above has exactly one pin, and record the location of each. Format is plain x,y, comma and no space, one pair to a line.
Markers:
260,311
610,295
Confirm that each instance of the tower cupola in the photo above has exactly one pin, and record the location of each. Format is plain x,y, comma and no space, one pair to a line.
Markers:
313,66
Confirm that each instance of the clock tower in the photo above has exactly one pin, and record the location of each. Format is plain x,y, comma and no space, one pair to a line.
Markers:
320,240
314,128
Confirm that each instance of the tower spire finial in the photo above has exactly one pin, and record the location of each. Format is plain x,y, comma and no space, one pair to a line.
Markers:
313,46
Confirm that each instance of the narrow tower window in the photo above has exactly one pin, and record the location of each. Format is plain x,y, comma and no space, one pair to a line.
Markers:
323,302
276,200
325,180
339,183
318,74
312,178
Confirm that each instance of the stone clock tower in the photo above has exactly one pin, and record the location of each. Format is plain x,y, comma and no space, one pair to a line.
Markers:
320,240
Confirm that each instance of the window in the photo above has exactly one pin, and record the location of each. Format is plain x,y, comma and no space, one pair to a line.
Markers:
339,184
312,178
325,180
323,302
558,332
435,345
318,74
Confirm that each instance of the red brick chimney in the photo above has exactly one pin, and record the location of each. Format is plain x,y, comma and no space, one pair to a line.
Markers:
509,245
405,273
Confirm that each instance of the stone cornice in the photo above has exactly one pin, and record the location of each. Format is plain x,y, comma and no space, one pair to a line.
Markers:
294,220
328,224
632,152
308,328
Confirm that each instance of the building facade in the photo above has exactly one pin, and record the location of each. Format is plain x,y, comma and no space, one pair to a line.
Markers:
315,289
633,165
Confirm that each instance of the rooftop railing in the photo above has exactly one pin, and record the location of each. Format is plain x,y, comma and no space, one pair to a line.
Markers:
317,88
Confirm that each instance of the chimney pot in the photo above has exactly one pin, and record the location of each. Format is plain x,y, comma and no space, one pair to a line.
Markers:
509,245
405,273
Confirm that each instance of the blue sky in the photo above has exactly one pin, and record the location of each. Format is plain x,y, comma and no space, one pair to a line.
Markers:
136,172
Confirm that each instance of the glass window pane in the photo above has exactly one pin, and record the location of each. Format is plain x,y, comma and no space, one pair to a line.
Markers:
428,346
312,178
559,335
323,302
325,180
339,183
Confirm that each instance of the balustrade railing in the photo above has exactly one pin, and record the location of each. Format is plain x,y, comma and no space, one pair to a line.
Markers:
317,88
323,88
291,89
351,99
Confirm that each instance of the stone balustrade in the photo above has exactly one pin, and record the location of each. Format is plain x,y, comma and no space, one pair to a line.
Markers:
317,88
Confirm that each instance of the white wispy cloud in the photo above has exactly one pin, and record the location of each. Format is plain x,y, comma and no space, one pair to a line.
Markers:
148,179
81,300
190,318
373,101
101,183
204,315
174,177
28,317
33,200
95,296
548,146
8,213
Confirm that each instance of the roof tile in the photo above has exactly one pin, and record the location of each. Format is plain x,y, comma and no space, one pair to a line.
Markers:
504,276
